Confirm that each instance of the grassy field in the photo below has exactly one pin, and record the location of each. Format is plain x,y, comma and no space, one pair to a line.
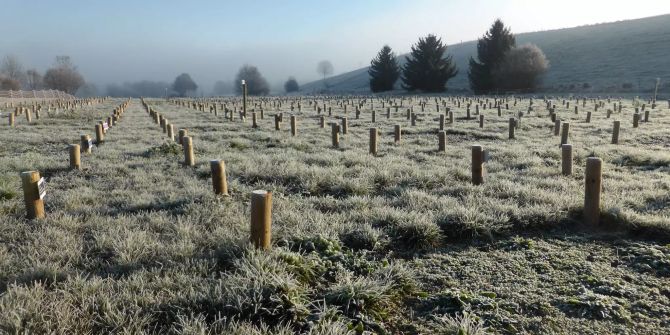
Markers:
397,243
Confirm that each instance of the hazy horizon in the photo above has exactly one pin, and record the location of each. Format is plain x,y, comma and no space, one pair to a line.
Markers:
119,42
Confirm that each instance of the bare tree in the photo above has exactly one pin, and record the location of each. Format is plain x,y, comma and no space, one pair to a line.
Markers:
325,68
34,79
11,68
63,76
9,84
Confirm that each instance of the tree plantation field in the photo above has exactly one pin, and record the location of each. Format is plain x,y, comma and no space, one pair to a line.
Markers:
400,242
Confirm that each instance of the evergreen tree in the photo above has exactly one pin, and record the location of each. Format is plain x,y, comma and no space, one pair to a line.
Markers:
291,85
427,68
491,49
384,71
184,84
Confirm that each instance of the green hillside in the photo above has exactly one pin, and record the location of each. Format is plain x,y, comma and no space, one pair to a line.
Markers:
606,56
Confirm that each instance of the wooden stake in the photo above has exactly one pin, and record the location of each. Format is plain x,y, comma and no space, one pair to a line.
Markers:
99,135
441,122
294,126
180,136
75,157
557,127
345,126
170,131
566,159
397,133
565,133
477,165
512,122
31,195
335,135
11,119
636,120
189,158
277,122
592,190
85,147
261,219
254,121
219,180
441,141
615,132
373,141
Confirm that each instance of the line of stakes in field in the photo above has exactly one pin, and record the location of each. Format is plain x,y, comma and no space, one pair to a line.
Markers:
261,200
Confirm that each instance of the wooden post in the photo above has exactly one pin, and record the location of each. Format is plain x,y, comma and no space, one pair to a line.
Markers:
277,122
615,132
85,147
11,119
322,121
481,121
374,116
566,159
254,120
477,165
219,180
75,157
646,116
451,117
180,136
441,121
588,117
170,131
636,120
335,134
592,190
99,135
511,128
557,127
294,126
244,97
397,133
31,195
261,219
441,141
565,133
345,125
189,158
373,141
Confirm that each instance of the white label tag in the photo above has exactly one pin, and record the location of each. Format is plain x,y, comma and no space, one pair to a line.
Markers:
105,126
485,156
42,187
90,143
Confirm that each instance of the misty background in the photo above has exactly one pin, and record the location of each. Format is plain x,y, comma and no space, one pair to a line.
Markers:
122,46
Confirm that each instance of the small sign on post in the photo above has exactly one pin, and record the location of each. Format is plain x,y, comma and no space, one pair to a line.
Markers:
105,126
42,187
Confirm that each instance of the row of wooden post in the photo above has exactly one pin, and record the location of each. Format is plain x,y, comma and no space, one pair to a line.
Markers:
261,201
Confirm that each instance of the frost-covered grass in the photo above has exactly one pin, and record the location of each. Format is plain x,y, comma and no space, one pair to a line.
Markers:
399,243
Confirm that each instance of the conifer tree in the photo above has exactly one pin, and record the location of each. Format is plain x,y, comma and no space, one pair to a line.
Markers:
384,70
491,49
427,67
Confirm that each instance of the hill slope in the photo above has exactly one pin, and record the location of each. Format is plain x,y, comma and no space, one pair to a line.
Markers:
604,55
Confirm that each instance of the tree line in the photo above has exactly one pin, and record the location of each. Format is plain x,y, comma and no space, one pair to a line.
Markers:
63,75
500,65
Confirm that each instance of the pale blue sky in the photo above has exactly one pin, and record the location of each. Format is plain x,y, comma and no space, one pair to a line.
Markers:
115,41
